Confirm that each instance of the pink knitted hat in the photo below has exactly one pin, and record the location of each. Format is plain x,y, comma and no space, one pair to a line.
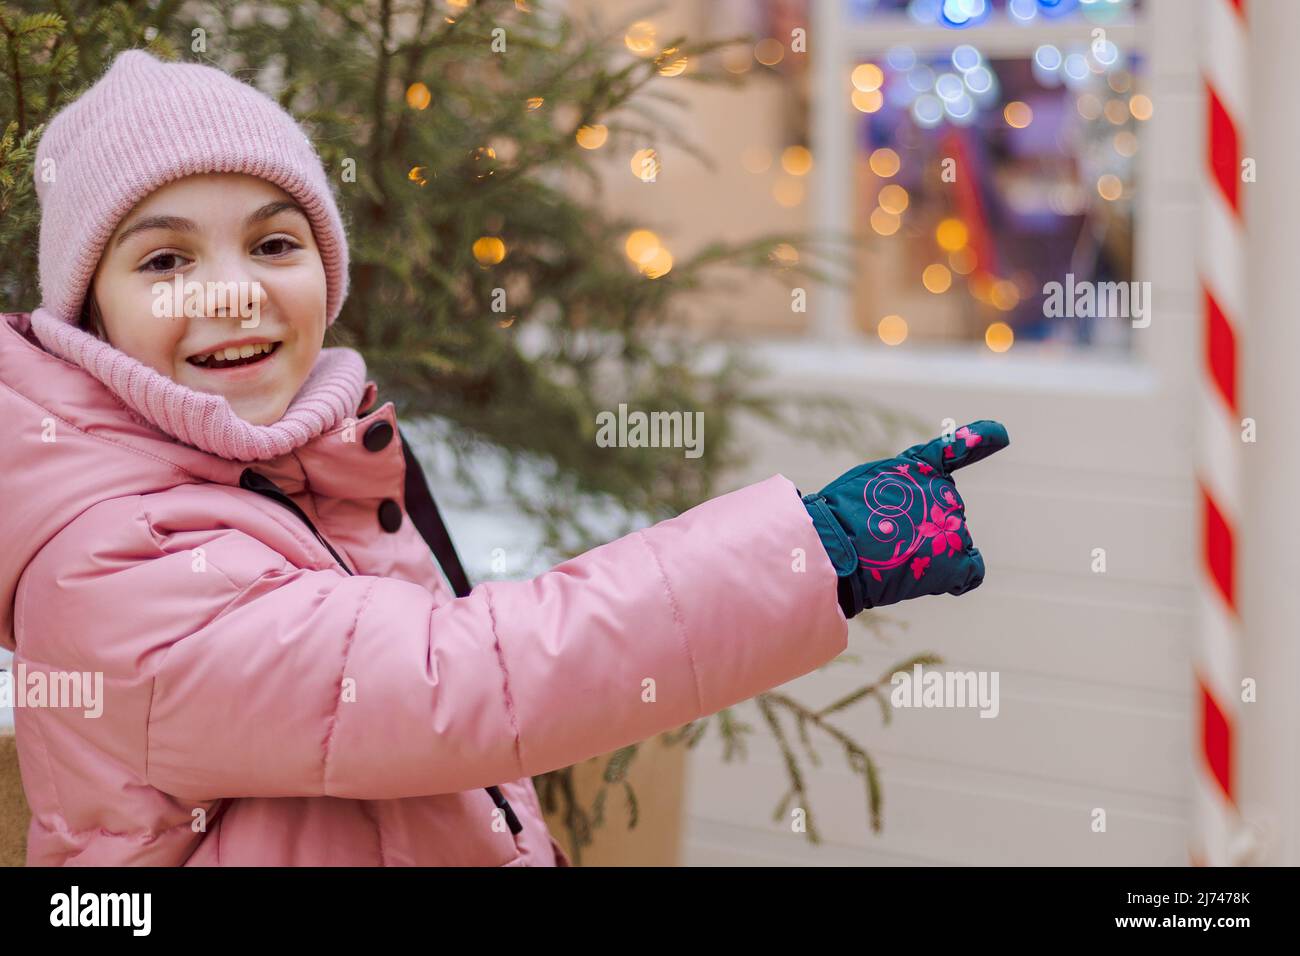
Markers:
142,125
146,123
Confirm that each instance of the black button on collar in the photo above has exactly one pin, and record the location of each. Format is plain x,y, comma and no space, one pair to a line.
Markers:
390,515
378,436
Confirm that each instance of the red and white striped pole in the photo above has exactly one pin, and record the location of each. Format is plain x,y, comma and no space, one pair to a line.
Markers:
1217,822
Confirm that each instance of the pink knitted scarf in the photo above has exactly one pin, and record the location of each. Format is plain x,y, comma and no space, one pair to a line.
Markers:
331,393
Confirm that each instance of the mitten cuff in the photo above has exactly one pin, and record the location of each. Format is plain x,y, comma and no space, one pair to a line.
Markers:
850,595
844,557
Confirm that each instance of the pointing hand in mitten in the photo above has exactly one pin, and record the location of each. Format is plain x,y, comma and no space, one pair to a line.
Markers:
896,529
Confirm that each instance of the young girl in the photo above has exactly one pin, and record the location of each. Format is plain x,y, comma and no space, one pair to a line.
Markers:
211,517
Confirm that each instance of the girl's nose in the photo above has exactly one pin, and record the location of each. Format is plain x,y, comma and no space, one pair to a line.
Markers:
230,290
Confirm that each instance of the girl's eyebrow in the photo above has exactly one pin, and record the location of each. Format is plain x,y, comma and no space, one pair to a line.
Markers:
180,224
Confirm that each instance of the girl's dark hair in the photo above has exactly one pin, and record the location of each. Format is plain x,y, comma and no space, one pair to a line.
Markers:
91,321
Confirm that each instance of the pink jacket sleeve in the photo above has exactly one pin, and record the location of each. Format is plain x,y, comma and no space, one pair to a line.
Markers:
310,683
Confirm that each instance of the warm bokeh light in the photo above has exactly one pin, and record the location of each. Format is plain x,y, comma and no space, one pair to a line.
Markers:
769,52
892,329
646,165
1089,106
592,137
998,337
671,62
1119,81
962,261
1004,295
1017,114
785,254
884,222
936,278
867,77
1140,106
893,198
981,286
418,96
951,235
641,246
1109,187
884,162
737,60
796,160
484,159
659,264
868,102
1126,143
640,38
756,159
788,192
1116,112
489,250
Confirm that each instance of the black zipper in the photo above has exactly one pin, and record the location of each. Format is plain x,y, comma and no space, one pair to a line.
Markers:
255,481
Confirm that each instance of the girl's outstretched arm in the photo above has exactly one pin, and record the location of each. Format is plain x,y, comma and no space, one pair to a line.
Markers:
257,678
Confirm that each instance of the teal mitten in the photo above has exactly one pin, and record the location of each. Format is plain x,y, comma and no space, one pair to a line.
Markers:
896,529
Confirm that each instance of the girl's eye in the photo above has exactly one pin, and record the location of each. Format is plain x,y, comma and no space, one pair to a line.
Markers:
153,265
284,243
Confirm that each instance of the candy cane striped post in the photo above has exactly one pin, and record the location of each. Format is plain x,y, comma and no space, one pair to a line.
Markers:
1217,822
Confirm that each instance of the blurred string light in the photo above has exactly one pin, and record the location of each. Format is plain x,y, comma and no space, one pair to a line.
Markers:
951,234
418,96
1022,11
756,159
999,337
927,111
892,329
868,102
963,13
640,38
884,162
962,261
646,165
785,255
489,250
641,246
796,160
788,192
883,222
867,77
592,137
671,62
936,278
894,199
769,52
1017,114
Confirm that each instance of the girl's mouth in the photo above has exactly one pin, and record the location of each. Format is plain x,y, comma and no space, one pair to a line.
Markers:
235,356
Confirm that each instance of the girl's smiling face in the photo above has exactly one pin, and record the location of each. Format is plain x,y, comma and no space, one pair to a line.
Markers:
253,243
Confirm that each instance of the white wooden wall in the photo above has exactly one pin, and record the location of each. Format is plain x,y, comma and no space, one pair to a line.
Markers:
1095,679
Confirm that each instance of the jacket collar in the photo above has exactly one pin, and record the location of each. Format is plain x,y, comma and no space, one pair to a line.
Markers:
105,393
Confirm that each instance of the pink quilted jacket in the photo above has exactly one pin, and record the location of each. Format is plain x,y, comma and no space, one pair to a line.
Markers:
263,706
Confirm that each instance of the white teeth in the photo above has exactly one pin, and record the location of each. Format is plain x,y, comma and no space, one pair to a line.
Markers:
235,352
